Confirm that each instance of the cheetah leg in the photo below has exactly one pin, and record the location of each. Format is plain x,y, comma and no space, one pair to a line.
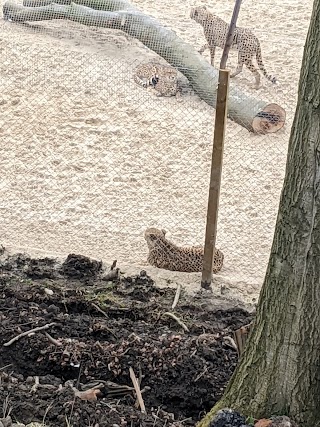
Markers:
238,70
255,72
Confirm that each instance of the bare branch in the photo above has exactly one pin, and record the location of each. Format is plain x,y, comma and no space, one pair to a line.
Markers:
174,317
137,390
23,334
52,340
176,297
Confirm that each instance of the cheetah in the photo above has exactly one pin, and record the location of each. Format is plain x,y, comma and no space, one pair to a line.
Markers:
165,254
247,44
162,78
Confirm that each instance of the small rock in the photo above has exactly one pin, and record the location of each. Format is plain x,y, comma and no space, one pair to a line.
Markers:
30,380
53,309
228,418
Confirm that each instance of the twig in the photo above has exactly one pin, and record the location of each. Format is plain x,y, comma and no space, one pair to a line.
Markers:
52,340
5,367
6,410
137,390
100,310
231,342
201,374
136,404
185,420
105,315
176,297
173,316
23,334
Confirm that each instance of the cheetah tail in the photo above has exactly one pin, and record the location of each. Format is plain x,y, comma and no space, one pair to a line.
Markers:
261,66
141,81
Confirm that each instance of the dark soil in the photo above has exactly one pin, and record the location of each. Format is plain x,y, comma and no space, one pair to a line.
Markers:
103,328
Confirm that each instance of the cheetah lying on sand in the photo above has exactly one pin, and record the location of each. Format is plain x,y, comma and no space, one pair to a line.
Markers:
165,254
247,44
162,78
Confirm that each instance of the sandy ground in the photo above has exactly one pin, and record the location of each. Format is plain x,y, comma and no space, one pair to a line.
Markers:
89,160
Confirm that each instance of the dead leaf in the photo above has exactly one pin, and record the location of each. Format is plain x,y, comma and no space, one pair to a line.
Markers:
263,423
89,395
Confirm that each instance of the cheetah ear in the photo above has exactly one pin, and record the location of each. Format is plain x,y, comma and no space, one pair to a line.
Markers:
164,232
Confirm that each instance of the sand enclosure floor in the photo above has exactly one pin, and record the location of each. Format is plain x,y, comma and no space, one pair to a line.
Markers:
89,160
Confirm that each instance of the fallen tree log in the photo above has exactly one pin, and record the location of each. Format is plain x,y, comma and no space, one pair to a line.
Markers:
253,114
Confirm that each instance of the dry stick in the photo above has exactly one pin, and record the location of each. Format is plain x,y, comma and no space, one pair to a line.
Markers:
100,310
217,156
173,316
105,315
139,382
201,374
137,390
23,334
5,367
176,297
231,342
52,340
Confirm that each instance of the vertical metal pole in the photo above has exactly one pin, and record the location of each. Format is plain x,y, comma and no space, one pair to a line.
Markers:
217,155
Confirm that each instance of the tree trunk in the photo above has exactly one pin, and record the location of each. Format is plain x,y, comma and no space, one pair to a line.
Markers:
253,114
279,371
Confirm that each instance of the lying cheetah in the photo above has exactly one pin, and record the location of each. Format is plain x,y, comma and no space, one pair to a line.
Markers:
162,78
165,254
247,44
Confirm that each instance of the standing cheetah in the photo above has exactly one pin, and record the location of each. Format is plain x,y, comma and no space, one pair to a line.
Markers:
162,78
247,44
165,254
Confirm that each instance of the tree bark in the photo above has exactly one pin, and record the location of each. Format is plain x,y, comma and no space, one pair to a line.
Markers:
279,371
253,114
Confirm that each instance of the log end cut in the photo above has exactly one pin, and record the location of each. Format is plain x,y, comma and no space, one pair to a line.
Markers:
269,119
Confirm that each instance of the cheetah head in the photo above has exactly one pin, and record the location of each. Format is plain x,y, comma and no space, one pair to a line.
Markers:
199,14
171,75
153,236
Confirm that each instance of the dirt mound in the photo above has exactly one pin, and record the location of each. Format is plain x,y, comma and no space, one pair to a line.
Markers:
96,334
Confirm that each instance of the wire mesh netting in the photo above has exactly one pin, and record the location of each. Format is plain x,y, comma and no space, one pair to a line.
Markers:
89,159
